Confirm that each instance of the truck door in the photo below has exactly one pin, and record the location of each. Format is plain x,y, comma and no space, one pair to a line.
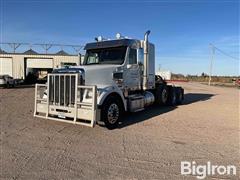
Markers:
132,74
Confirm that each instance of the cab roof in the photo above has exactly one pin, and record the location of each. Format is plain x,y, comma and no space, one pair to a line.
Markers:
111,43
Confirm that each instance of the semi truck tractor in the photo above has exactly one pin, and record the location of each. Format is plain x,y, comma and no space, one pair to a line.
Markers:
116,76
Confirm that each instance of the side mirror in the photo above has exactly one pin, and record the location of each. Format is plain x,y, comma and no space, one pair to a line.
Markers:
118,78
80,59
129,66
140,56
117,75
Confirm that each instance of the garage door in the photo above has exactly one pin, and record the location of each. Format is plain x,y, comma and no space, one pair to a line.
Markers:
39,63
6,66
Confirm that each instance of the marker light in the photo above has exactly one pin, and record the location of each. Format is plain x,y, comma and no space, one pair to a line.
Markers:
99,38
118,36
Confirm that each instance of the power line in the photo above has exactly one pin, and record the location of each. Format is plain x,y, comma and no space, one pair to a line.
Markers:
226,54
212,55
45,46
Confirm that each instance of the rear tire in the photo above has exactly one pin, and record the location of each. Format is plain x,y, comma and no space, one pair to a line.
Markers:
172,98
161,95
111,112
180,95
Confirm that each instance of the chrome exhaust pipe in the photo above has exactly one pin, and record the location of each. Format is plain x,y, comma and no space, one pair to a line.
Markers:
146,40
146,63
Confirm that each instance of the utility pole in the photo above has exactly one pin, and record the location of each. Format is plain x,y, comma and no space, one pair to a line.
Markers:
46,47
77,48
212,53
14,46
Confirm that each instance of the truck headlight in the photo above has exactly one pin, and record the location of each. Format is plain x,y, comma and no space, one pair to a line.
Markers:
90,94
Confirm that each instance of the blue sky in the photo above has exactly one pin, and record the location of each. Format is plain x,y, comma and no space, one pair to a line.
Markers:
180,30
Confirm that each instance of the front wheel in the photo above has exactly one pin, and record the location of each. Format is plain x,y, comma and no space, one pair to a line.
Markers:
111,112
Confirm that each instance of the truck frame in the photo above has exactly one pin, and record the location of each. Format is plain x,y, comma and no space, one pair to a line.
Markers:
116,76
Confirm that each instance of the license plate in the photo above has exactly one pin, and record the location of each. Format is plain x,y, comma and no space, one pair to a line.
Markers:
61,115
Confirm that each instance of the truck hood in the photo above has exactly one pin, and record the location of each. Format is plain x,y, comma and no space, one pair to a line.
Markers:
100,75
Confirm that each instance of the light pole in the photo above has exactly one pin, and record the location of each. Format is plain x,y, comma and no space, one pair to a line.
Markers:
212,52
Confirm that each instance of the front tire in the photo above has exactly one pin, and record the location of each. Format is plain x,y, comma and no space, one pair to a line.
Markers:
111,112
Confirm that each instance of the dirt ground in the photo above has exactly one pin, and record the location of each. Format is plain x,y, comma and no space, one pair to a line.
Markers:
148,145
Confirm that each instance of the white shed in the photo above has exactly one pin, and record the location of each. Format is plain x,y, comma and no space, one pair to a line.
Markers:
166,75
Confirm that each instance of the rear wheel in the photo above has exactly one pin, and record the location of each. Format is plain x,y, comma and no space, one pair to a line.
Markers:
172,99
111,112
180,95
161,95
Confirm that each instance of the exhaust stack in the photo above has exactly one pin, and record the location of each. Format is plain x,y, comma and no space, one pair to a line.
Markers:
146,61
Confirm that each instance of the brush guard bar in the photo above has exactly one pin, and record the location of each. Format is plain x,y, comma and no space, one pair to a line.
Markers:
64,99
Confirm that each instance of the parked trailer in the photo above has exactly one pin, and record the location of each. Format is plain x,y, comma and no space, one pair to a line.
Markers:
116,76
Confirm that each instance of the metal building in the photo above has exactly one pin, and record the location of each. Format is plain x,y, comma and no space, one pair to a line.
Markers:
19,65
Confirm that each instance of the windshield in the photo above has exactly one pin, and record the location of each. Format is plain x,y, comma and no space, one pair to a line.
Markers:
114,55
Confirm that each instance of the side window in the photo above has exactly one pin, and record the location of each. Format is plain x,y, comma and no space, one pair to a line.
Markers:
93,58
132,56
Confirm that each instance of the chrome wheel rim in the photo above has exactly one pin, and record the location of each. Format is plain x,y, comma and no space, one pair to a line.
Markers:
113,113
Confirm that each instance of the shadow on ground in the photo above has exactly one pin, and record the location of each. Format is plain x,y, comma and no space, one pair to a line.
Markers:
195,97
23,86
133,118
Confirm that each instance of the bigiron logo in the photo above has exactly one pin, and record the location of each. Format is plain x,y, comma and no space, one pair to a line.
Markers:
202,171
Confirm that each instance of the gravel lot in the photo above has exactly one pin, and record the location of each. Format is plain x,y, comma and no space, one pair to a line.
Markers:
148,145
